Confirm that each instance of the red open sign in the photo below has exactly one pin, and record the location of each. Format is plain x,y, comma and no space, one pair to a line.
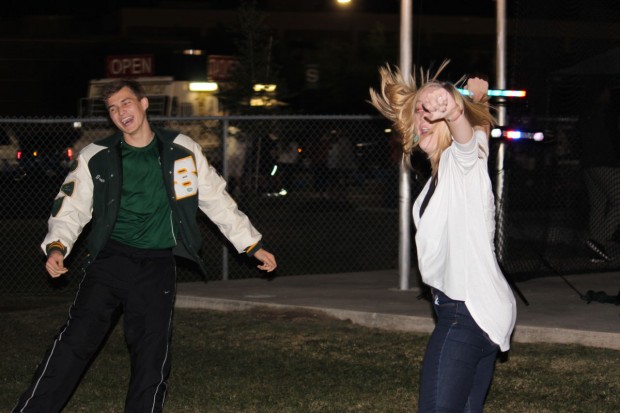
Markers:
129,66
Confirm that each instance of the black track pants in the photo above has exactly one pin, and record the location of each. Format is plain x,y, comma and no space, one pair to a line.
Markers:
139,282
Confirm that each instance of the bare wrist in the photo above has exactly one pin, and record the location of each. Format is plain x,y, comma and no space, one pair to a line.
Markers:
454,117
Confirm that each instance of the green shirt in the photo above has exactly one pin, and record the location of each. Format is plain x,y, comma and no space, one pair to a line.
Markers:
144,219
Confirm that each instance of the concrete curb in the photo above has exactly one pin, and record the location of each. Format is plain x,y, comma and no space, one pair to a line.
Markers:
415,324
373,320
529,334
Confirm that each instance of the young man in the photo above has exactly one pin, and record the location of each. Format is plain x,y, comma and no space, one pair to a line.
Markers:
141,188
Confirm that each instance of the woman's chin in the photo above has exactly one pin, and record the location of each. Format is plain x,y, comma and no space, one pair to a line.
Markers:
426,144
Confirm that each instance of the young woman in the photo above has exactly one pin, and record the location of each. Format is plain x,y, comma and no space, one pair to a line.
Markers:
455,220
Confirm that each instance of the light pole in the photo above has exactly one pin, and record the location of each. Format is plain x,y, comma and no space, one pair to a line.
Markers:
404,206
404,211
500,68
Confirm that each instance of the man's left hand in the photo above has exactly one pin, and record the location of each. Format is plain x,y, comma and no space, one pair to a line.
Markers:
267,259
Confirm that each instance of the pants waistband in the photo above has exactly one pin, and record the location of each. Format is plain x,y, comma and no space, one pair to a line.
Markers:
116,247
435,291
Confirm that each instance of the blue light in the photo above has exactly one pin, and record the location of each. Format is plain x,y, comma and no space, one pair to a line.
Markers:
498,92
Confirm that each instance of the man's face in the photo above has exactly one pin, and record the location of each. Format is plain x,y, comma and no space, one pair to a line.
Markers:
126,111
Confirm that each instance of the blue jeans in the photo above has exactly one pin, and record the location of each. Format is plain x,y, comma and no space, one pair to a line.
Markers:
459,362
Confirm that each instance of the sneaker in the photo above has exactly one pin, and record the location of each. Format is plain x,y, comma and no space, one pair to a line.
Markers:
598,252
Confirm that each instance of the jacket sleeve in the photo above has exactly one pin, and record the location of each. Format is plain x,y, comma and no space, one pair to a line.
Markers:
71,210
218,205
468,154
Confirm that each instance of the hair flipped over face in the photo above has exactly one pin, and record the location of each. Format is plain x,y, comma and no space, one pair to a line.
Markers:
397,99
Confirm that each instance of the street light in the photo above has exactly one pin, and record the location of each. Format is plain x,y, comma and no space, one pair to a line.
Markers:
404,209
260,87
203,86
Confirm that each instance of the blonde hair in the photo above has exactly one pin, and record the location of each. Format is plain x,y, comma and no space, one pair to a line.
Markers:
397,100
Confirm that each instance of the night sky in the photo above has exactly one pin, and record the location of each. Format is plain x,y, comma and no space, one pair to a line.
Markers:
601,9
73,49
73,7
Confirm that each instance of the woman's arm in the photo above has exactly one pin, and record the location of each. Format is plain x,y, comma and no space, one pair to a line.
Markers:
479,89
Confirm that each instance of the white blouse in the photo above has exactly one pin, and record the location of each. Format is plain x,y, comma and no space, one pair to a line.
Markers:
455,239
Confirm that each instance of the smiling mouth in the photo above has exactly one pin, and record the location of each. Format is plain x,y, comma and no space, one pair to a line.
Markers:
424,131
127,120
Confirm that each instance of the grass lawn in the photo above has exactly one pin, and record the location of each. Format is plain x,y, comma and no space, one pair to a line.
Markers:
297,362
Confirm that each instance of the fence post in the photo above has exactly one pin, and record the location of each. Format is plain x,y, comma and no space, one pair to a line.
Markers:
225,173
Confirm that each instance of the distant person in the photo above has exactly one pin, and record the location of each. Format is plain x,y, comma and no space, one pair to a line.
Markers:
287,161
454,216
140,189
392,172
341,162
318,151
600,159
236,151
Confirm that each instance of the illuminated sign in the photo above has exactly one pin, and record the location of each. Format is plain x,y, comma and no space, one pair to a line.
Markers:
220,68
129,66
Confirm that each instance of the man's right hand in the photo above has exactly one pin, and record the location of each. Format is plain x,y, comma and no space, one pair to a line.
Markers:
55,264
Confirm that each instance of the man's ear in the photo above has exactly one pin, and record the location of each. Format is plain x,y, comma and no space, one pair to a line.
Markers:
145,103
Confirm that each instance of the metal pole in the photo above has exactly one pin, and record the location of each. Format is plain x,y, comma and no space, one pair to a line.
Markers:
404,253
501,118
501,55
225,173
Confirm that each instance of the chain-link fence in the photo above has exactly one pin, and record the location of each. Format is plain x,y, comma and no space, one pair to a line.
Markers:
323,190
548,222
561,203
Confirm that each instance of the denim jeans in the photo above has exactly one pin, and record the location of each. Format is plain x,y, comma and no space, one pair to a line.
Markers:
459,362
